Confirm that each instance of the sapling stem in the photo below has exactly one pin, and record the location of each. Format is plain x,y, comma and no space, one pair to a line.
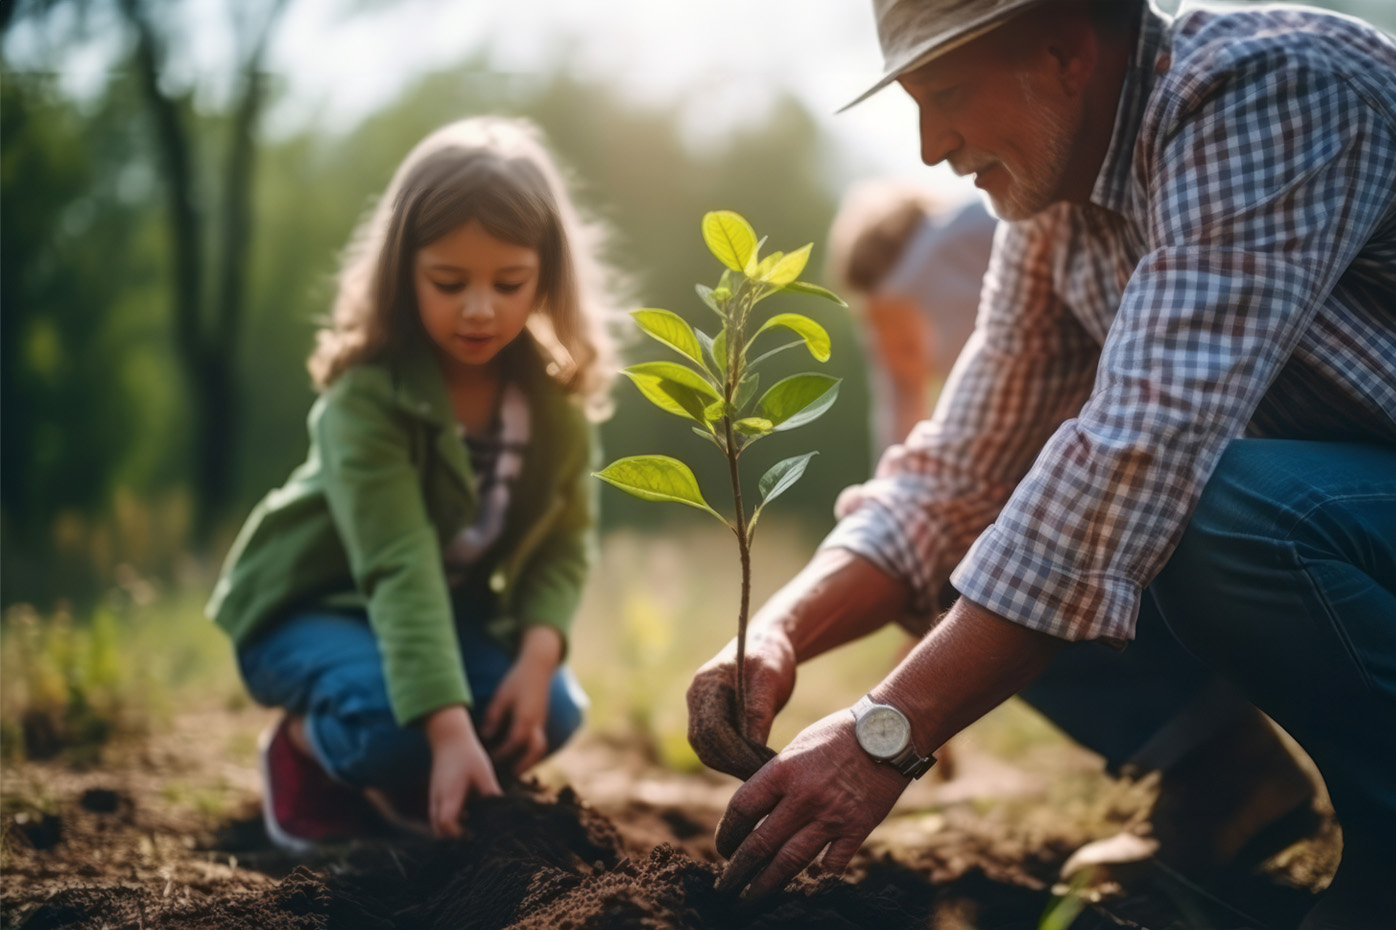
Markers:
720,385
736,353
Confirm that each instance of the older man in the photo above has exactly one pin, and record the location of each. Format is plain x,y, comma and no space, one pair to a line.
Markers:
1179,408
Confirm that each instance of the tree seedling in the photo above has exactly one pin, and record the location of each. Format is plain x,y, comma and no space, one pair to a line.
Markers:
715,387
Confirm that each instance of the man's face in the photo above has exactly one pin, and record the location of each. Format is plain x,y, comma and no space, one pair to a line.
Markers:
998,109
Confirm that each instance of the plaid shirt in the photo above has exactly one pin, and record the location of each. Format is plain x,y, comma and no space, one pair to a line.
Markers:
1234,274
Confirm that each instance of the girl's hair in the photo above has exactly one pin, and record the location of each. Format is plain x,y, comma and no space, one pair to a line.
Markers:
496,171
873,225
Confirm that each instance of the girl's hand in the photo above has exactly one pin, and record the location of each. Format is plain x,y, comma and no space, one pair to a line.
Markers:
513,723
459,767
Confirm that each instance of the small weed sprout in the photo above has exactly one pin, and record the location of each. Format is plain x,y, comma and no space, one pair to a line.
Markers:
715,387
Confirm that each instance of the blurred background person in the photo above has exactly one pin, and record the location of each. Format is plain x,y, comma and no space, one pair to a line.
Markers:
911,263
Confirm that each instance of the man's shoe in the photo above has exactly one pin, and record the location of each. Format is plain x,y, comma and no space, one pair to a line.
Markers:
1237,798
302,806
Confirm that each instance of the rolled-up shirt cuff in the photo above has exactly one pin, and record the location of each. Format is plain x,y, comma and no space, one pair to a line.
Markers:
873,533
1003,576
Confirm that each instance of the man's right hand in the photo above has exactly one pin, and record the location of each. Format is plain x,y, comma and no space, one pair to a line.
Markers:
837,597
713,716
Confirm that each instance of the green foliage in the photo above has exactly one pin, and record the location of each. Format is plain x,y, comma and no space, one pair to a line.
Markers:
716,390
70,684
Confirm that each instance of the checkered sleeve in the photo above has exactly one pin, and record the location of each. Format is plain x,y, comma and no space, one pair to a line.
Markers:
1266,181
1027,367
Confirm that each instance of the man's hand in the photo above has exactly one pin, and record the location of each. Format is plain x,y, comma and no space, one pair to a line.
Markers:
822,790
513,722
459,768
713,715
836,598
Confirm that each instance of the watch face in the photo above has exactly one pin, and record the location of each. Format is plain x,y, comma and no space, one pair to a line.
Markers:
883,732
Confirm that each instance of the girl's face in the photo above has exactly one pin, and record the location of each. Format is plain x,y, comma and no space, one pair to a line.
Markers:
474,293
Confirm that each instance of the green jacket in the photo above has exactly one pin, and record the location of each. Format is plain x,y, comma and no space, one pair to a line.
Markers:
387,483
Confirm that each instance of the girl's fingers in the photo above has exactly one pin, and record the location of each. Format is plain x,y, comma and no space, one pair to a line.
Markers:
494,715
537,749
485,782
515,743
446,805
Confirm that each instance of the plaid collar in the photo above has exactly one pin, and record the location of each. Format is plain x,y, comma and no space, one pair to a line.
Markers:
1112,186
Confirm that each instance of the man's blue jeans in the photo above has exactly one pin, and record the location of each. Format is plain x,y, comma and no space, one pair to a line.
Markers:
326,665
1283,585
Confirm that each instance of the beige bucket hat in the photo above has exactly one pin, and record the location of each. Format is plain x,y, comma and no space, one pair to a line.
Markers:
912,32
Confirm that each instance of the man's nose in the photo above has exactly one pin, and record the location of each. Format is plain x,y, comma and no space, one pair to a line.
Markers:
937,140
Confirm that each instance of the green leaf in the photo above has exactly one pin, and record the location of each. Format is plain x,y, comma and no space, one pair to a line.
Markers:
745,391
804,287
753,426
672,330
705,294
717,410
674,388
814,335
782,476
776,351
720,351
708,353
788,268
656,478
766,264
730,238
776,481
799,399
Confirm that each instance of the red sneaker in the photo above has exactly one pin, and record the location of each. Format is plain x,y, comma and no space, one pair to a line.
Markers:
302,805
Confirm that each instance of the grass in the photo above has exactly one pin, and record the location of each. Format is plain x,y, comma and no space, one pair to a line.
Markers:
656,607
69,685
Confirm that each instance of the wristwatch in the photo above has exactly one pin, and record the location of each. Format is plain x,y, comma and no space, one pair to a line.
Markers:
885,734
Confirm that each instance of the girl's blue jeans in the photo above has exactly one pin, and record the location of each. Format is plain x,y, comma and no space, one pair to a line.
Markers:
1283,589
326,666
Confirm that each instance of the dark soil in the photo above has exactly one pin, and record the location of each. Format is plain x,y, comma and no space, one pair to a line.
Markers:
147,842
530,860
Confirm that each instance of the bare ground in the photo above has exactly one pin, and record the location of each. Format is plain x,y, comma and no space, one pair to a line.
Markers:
165,833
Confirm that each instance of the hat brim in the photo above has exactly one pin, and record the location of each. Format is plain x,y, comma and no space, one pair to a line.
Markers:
940,44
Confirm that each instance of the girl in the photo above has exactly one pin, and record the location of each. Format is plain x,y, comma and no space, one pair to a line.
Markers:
406,595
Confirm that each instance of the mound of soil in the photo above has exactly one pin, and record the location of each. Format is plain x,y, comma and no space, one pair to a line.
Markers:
530,860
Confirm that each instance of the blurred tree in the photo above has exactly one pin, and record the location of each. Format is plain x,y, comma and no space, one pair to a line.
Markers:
209,222
74,256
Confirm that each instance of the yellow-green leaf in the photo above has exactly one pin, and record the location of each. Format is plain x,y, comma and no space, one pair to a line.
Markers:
656,478
670,329
788,268
815,336
674,388
753,426
804,287
729,237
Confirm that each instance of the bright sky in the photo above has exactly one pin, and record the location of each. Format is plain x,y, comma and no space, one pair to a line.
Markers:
724,59
720,61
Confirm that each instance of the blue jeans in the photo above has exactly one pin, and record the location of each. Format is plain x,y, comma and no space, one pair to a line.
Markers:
326,666
1283,588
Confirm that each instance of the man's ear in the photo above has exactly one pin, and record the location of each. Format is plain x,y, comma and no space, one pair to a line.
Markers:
1075,47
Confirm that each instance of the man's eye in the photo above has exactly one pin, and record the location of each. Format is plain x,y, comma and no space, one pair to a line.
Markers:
449,287
948,97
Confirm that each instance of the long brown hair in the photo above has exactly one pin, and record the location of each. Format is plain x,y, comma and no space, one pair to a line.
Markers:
496,171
